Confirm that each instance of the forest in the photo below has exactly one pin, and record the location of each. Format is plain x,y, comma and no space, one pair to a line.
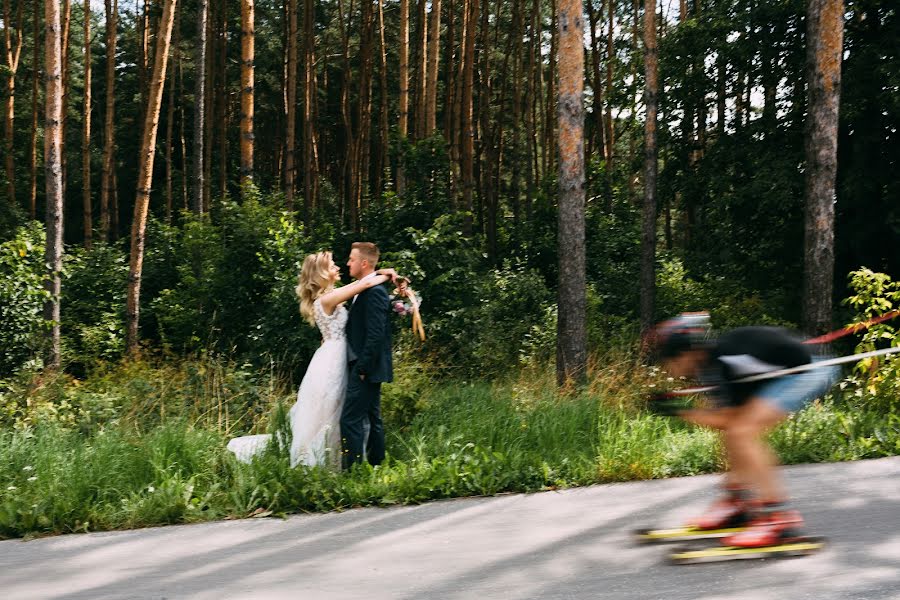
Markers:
553,177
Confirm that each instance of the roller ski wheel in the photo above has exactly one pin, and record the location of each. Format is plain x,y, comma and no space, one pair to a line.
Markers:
687,533
801,546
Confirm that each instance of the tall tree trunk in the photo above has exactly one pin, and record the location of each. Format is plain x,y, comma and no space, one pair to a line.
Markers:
310,94
551,108
86,138
170,117
109,143
382,163
515,177
609,134
467,125
421,69
248,38
434,38
531,94
35,83
12,43
571,344
199,171
598,91
403,100
648,223
145,174
824,48
52,168
290,84
66,26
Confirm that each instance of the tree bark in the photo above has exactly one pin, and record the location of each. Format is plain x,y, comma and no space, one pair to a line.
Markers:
248,37
12,44
571,339
609,134
648,222
35,83
53,172
382,162
310,132
467,125
108,167
403,100
170,118
434,37
199,171
824,48
86,137
291,108
421,69
145,174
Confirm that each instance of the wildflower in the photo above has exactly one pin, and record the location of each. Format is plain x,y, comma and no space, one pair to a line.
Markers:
28,468
11,488
32,479
151,489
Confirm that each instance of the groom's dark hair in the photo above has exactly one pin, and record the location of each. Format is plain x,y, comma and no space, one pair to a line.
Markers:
368,250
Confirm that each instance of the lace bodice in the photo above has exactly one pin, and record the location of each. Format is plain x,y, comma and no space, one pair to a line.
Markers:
334,326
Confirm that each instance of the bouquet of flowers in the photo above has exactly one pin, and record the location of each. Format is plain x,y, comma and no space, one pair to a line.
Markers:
406,302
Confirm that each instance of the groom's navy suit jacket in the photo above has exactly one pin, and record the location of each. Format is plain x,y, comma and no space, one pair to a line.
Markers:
369,335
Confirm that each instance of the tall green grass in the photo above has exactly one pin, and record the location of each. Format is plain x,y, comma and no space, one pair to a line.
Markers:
468,439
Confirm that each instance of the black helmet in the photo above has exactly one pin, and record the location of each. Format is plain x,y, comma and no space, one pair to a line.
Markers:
685,332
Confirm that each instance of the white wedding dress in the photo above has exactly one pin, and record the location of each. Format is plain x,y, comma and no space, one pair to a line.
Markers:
316,416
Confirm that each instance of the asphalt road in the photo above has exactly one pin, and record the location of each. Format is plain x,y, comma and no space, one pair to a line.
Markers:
551,545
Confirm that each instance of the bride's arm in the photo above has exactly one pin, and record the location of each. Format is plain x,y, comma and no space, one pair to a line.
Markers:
342,294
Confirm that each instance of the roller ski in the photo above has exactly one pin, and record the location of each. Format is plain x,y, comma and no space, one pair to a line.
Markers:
728,516
774,534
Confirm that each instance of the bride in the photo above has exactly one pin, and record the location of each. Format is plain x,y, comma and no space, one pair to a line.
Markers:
315,417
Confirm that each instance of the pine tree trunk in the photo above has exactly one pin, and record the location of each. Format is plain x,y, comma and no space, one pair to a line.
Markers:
598,88
145,174
824,48
467,125
403,100
247,89
66,17
109,143
571,344
551,108
12,54
434,38
531,95
380,166
200,183
52,168
648,229
515,181
35,83
170,117
86,138
310,94
421,69
290,84
609,133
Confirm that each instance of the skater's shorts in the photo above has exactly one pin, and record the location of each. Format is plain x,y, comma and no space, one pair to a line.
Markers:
793,392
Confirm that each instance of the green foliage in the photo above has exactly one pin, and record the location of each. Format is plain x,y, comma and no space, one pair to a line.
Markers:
93,294
464,439
22,298
876,382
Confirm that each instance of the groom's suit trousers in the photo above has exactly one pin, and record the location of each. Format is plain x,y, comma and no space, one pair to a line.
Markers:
362,431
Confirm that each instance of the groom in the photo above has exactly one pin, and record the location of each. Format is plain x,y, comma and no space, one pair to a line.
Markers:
370,363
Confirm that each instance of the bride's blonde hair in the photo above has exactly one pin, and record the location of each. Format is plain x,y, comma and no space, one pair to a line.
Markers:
315,277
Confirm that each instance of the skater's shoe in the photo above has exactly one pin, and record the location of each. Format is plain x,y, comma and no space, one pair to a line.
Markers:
769,528
729,511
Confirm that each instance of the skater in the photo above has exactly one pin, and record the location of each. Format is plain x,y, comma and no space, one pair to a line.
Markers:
754,499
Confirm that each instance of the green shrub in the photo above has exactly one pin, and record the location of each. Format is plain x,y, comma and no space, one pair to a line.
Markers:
93,297
22,297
